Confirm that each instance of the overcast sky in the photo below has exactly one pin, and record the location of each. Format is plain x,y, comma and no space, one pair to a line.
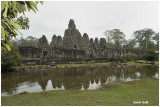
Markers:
93,18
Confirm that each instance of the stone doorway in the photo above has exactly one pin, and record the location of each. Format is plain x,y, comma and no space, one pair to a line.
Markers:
44,54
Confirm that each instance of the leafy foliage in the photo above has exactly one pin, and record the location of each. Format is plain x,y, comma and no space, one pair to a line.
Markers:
29,41
150,53
131,43
108,38
10,24
131,55
115,36
156,38
143,37
10,59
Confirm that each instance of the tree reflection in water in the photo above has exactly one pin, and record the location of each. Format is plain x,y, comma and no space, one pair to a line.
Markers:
85,78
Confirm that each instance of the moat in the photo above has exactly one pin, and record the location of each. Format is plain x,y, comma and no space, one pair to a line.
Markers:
82,78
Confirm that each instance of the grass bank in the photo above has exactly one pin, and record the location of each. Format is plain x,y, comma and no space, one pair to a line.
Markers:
130,63
141,62
117,94
91,64
83,65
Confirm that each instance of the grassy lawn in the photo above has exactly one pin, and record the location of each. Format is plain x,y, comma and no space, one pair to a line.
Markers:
117,94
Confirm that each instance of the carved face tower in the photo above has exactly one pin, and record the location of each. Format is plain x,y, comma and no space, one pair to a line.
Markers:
72,37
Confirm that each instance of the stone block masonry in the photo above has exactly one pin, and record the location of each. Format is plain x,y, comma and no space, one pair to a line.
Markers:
73,47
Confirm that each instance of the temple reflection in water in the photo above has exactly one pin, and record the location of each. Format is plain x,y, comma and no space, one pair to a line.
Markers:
86,78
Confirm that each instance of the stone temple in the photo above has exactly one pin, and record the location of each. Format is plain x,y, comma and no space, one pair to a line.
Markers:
73,47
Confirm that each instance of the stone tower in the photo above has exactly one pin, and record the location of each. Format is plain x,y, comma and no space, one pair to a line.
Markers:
72,37
43,42
86,41
54,41
103,43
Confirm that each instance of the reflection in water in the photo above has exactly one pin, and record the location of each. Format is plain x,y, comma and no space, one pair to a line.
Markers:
86,78
50,87
156,76
129,79
138,74
95,85
82,89
25,87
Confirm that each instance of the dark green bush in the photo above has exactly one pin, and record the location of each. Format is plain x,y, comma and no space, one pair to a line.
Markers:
10,59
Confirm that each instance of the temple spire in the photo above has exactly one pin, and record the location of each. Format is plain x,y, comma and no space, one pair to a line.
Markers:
71,24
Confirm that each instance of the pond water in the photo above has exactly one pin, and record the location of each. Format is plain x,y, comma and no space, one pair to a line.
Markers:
84,78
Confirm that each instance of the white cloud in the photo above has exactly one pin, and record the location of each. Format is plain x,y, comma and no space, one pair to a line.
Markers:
93,17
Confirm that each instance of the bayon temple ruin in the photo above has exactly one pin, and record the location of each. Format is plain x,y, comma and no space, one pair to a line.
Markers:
73,47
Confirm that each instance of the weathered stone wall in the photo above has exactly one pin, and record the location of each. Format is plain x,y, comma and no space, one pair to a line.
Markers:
73,47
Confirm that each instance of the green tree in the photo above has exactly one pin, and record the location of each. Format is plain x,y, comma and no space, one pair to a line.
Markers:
11,23
108,38
15,42
10,59
131,56
131,43
32,41
156,38
115,36
29,41
143,37
150,53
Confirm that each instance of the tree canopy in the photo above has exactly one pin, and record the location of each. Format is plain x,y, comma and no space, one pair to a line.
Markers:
143,37
131,43
29,41
150,53
115,36
11,23
156,38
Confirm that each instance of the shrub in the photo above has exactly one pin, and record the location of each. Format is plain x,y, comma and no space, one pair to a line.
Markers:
10,59
131,55
150,53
